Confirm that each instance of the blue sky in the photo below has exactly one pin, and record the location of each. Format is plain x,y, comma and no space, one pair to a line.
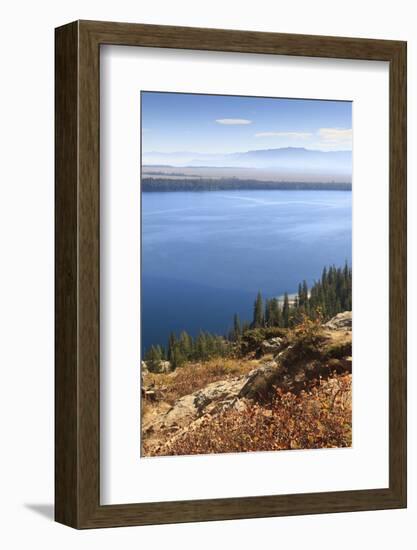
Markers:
173,122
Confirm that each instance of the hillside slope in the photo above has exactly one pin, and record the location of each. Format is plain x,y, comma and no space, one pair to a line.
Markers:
287,392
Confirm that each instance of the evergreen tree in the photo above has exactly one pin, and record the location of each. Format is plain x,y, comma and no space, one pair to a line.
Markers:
185,344
300,295
160,352
286,311
245,326
258,312
305,294
267,315
201,346
171,346
275,313
324,276
153,357
237,328
178,358
152,354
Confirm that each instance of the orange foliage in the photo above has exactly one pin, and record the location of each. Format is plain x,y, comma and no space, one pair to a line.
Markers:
321,418
194,376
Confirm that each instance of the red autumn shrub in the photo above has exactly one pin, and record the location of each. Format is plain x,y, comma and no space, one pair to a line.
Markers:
321,418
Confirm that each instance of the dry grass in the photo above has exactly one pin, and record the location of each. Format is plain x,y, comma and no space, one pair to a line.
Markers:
321,418
194,376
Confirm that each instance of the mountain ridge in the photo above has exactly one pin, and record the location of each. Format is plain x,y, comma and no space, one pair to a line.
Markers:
291,159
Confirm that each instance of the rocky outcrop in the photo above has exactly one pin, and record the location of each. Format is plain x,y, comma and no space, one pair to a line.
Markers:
261,381
151,392
144,368
238,392
273,345
211,399
297,365
341,321
160,367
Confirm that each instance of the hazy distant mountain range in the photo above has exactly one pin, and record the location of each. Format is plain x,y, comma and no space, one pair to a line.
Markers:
285,168
293,161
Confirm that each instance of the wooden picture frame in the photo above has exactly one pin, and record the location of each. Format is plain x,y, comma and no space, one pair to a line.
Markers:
77,374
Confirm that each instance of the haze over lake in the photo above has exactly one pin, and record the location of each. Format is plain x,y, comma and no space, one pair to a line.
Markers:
205,255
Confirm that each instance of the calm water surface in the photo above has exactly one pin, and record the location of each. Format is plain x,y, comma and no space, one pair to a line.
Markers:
205,255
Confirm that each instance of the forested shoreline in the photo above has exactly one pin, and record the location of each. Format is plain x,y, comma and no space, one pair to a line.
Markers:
223,184
329,295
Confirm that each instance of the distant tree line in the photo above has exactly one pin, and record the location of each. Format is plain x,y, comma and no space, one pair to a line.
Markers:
330,295
185,348
224,184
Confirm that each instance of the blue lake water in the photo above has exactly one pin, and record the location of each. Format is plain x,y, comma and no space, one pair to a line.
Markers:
205,255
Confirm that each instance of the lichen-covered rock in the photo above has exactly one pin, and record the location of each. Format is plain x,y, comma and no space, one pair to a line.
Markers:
211,399
260,382
274,345
157,367
341,321
144,368
216,398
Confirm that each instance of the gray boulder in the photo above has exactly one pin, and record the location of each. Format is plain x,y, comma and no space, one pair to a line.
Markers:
218,397
260,382
144,367
157,367
274,345
341,321
211,399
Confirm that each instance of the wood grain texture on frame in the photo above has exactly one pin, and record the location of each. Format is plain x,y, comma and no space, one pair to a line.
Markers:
77,361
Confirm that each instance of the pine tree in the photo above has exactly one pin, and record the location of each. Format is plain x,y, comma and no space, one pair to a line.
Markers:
150,354
300,295
275,313
185,344
286,311
201,346
305,293
258,312
160,352
237,329
153,357
171,346
178,358
245,326
324,277
267,314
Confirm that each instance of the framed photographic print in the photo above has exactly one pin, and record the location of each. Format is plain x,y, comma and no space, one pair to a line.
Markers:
230,274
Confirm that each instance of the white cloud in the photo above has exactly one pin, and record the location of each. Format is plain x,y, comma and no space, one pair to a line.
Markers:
233,121
296,135
335,137
324,138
